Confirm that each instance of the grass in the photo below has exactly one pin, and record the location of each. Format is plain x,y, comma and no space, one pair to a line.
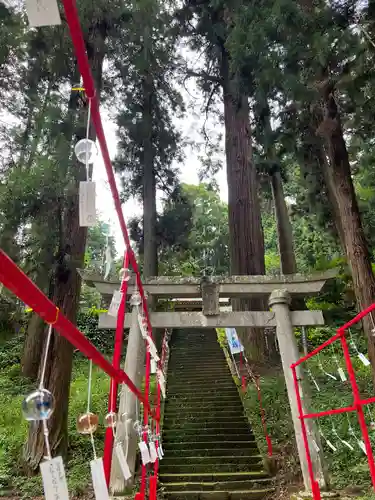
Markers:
13,427
346,468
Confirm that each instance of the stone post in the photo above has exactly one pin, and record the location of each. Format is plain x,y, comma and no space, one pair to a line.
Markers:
134,367
280,301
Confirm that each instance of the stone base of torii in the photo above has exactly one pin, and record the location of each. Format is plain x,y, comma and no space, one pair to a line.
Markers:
209,291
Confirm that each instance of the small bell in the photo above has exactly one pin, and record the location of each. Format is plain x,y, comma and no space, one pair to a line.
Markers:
38,405
136,299
124,274
110,420
372,426
87,423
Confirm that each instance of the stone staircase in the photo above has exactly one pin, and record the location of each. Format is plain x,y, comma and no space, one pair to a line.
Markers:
210,450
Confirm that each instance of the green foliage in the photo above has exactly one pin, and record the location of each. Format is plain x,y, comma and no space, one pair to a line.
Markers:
87,322
13,427
345,467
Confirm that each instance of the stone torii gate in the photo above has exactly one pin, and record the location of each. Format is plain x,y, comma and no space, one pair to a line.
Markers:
209,292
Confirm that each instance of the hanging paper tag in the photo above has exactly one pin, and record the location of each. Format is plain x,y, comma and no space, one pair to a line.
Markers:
153,453
331,376
160,455
122,461
145,455
54,480
160,449
316,384
152,348
315,445
348,445
142,326
333,448
161,380
98,479
342,374
153,366
362,445
363,358
87,208
115,303
42,13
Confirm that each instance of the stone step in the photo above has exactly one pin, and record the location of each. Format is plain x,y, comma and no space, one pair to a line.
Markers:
186,372
238,423
175,384
198,380
211,444
227,386
211,468
220,431
175,419
182,402
208,437
255,494
244,460
212,415
228,485
213,477
248,449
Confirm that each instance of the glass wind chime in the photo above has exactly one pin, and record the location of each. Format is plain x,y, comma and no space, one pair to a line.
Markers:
37,408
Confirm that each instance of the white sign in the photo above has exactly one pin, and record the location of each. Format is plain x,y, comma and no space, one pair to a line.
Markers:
42,13
235,345
98,479
87,208
54,480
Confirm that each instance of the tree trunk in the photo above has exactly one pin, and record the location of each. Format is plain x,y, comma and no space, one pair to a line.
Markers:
343,191
284,227
150,258
67,285
245,228
33,347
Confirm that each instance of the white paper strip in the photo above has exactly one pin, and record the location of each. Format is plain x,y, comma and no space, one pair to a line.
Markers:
348,445
87,205
145,455
153,366
142,326
161,380
363,358
160,455
152,349
122,461
160,448
315,445
115,303
98,479
54,479
361,444
42,13
342,374
153,453
333,448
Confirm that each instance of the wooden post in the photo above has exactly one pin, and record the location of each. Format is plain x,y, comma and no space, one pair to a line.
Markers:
280,301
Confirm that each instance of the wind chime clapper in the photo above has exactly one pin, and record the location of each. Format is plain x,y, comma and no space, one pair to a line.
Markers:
86,153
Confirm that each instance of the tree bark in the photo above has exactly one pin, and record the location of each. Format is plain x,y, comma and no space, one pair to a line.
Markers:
67,286
353,235
284,227
245,228
150,257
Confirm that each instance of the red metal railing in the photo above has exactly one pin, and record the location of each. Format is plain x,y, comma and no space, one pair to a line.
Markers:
357,406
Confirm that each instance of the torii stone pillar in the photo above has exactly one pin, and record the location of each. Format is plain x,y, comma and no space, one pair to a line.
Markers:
134,368
280,301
